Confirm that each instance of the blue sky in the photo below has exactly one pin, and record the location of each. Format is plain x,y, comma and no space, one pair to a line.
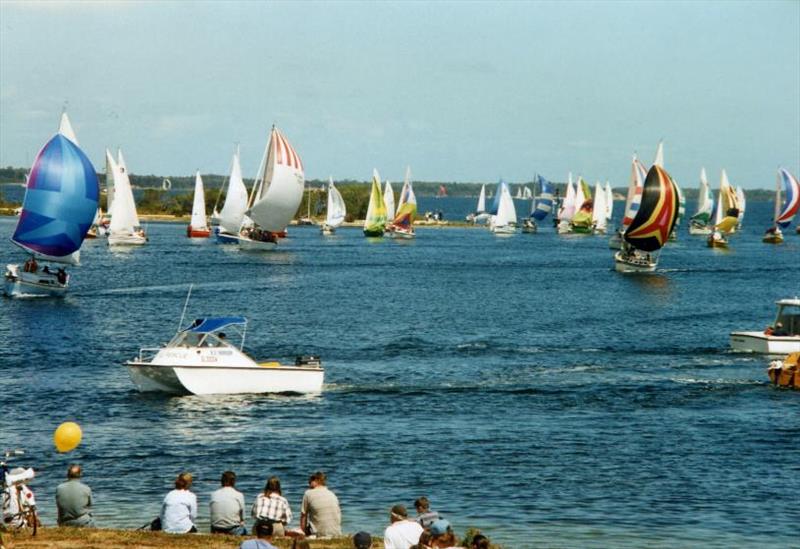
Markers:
460,91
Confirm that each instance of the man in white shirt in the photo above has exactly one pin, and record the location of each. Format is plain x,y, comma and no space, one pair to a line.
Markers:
401,533
227,507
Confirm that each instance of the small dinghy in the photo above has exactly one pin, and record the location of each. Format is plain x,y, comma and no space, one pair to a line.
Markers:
779,338
201,360
785,373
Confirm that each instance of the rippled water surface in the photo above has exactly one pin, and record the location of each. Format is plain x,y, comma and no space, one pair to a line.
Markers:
520,383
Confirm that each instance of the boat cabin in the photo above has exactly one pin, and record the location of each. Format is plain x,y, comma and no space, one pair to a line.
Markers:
208,332
787,321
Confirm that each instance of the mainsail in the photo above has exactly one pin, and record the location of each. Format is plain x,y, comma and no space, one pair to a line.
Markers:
728,206
124,219
279,188
61,200
230,218
375,221
481,207
388,199
599,210
705,202
786,210
650,228
544,202
199,222
634,197
336,206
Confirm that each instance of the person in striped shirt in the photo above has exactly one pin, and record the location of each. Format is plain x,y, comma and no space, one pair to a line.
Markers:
425,516
272,507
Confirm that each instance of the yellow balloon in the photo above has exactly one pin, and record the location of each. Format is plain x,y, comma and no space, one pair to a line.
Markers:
67,436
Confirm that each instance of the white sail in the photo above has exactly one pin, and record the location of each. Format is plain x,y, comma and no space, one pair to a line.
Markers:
65,128
199,222
568,205
609,201
279,190
599,219
481,208
336,206
742,203
230,218
388,199
109,181
506,212
526,193
124,219
705,202
718,213
659,160
580,197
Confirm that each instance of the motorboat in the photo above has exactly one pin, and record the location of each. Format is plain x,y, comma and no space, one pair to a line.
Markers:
779,338
786,372
201,360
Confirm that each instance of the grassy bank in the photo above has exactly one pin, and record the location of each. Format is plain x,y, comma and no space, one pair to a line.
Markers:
77,538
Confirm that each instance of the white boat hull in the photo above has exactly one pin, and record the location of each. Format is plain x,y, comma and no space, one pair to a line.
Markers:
256,245
222,379
19,284
126,239
401,234
759,342
327,229
704,231
626,265
503,229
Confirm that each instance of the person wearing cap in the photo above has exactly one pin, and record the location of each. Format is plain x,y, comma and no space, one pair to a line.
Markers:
362,540
179,510
320,513
401,533
442,536
74,500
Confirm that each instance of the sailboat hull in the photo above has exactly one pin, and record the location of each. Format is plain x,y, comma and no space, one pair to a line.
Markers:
401,233
623,264
697,231
773,239
250,245
224,237
126,239
327,229
19,284
191,232
371,233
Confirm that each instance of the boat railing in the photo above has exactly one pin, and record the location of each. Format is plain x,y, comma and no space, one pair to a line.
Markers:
148,354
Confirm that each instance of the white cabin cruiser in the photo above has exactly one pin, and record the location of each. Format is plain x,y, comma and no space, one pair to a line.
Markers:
782,337
201,361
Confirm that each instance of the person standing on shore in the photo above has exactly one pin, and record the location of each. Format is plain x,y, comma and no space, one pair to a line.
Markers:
74,500
227,507
179,510
320,513
401,533
272,507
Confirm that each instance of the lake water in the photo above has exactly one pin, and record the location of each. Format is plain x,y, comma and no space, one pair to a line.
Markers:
520,383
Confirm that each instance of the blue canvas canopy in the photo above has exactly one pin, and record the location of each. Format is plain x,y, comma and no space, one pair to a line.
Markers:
208,325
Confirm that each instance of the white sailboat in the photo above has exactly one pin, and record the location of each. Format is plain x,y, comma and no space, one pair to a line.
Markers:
726,214
336,211
277,194
232,214
568,207
388,199
480,213
198,226
700,222
124,228
609,201
599,210
505,221
742,199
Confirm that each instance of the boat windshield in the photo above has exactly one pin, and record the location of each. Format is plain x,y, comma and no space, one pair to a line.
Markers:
194,339
787,323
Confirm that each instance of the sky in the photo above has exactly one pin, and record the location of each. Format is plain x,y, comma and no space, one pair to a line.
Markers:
460,91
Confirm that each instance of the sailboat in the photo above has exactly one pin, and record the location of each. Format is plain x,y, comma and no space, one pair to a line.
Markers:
726,215
567,210
442,192
480,213
742,201
388,199
609,201
518,196
232,213
786,209
198,226
336,210
375,222
599,210
505,221
527,194
276,195
699,223
649,230
124,228
61,199
402,226
632,201
581,222
540,206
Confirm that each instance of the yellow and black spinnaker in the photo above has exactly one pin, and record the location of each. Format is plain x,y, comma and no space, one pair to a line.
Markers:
658,211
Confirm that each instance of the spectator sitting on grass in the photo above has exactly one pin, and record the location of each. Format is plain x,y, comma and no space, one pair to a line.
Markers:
263,532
